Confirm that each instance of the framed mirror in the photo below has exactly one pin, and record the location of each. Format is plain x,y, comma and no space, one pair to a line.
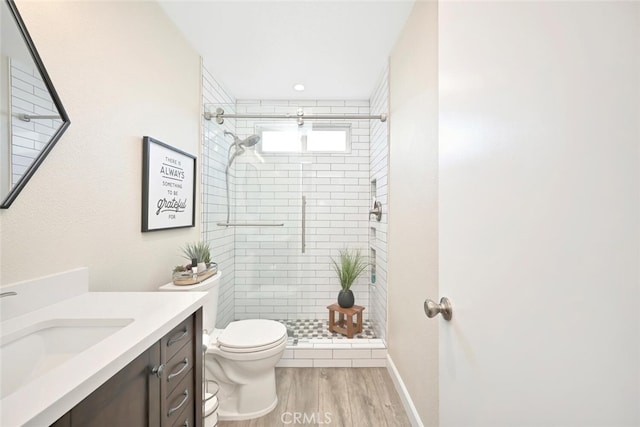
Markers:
32,117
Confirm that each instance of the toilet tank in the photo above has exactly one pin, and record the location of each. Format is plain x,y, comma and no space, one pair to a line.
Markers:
210,304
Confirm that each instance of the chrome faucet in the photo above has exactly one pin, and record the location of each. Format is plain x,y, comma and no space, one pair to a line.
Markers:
8,294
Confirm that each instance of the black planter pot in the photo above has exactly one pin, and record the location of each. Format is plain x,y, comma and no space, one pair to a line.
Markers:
346,299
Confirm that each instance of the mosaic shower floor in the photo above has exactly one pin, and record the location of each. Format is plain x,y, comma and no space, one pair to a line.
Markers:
315,329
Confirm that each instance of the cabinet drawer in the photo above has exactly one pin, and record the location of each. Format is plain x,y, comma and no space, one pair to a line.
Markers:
178,337
185,419
179,366
180,398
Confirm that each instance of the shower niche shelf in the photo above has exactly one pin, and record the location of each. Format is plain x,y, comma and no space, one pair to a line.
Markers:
376,209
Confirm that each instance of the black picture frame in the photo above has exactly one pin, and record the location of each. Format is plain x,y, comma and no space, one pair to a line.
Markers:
168,187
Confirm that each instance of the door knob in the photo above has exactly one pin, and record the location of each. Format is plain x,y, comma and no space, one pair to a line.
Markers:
158,370
432,309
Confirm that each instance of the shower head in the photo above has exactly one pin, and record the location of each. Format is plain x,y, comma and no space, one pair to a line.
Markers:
249,141
240,146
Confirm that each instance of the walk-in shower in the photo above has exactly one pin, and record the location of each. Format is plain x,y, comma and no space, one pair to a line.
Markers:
282,196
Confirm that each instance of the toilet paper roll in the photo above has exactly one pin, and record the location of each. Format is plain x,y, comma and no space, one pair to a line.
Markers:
206,339
210,405
211,420
210,413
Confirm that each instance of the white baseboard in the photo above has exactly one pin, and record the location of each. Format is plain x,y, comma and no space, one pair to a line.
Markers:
409,407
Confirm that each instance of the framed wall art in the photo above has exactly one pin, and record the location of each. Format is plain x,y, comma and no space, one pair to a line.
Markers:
168,186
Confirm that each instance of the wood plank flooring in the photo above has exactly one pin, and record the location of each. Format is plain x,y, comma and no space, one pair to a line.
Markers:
348,397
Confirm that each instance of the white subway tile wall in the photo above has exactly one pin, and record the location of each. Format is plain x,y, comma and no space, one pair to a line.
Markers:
378,235
28,96
214,199
274,279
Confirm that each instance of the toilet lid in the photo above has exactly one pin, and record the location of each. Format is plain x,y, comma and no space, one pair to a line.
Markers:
252,334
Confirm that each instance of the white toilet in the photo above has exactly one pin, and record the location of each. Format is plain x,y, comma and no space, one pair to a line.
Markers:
241,358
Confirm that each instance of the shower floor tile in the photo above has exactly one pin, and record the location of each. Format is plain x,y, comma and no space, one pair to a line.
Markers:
319,329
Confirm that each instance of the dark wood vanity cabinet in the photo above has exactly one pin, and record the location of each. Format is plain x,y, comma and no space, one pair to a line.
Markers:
161,388
181,390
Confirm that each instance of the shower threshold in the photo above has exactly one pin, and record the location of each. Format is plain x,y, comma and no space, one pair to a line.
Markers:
315,329
311,344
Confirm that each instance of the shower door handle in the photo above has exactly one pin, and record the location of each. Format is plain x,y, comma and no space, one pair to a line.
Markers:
304,222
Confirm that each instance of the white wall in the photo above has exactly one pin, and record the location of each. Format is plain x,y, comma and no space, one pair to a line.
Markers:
122,71
413,213
540,213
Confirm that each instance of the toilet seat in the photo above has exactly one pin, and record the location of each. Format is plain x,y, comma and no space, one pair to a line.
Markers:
226,349
252,335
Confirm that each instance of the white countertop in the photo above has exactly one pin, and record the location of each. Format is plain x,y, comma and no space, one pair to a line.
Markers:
45,399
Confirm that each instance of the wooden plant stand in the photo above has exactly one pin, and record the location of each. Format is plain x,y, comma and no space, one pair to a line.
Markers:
345,326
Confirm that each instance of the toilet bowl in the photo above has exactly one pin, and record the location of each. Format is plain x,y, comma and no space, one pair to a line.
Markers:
241,358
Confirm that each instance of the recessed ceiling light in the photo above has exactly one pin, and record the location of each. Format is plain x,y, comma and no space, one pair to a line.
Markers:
299,87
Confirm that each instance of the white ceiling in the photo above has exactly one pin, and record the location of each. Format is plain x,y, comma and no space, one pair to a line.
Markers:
260,49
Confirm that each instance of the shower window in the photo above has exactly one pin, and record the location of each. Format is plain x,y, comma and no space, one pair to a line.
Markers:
328,139
306,139
280,141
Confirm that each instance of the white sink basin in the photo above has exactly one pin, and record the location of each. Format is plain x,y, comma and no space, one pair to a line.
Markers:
36,349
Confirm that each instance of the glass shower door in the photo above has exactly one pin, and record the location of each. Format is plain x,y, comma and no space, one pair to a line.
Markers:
267,217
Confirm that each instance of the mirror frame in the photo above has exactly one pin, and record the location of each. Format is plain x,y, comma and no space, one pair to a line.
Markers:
13,192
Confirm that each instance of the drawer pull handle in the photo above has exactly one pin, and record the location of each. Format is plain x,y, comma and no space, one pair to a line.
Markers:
185,363
175,340
186,423
184,400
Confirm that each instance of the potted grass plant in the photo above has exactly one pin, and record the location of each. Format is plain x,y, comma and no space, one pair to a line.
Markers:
348,267
199,251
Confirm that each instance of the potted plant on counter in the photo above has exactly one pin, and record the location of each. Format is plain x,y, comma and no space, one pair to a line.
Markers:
349,266
199,268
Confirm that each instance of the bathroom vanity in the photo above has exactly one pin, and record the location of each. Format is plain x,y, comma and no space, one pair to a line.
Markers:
78,358
161,387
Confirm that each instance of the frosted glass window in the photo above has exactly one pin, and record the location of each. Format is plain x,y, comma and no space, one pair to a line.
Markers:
327,141
280,141
319,139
